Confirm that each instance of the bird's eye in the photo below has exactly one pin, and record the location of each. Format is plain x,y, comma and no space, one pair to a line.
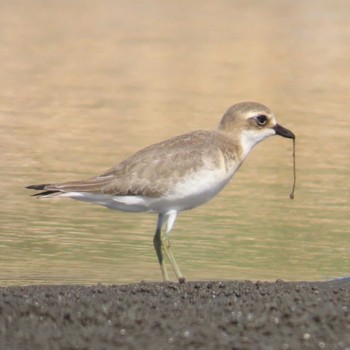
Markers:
261,119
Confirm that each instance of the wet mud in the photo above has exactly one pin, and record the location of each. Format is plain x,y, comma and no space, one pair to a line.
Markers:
193,315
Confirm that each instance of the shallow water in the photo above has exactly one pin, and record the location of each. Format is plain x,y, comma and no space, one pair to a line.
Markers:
86,84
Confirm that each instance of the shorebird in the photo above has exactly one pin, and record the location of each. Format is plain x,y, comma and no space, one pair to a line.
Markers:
177,174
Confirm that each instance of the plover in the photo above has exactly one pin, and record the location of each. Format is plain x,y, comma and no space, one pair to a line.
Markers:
177,174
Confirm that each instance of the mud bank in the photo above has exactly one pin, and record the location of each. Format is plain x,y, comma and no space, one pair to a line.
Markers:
194,315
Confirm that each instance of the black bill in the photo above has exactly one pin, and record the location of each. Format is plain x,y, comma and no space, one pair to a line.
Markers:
280,130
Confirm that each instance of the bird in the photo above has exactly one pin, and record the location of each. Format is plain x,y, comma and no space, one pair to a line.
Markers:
177,174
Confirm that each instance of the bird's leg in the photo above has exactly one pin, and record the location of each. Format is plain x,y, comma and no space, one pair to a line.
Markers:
157,242
166,246
170,256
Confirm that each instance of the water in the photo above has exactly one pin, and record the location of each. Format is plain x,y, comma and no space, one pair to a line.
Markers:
86,84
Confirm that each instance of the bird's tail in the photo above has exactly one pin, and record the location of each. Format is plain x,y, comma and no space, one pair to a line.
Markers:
43,187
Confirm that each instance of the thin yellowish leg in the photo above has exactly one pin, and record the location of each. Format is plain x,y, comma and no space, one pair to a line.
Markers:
157,242
169,254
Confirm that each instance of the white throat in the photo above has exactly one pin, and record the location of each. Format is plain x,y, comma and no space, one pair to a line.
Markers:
250,138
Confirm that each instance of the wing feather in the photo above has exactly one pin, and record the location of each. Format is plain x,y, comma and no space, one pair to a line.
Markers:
151,171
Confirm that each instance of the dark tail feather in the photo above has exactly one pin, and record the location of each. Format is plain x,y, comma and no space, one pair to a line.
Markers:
41,187
45,193
37,187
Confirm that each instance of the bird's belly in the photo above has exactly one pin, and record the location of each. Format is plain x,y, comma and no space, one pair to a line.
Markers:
193,191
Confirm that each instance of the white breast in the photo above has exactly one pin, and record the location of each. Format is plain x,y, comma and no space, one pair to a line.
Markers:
194,190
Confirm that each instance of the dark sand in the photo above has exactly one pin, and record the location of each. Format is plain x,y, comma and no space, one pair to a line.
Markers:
194,315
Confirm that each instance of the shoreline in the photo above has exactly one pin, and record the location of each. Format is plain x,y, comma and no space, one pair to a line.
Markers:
192,315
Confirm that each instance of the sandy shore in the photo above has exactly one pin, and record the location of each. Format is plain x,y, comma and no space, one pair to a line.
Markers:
194,315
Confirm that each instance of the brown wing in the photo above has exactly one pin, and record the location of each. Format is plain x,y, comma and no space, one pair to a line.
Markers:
151,171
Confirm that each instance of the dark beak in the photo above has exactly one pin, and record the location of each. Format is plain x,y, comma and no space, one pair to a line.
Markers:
280,130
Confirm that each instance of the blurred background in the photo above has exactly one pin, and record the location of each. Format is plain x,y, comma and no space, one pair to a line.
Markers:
84,84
